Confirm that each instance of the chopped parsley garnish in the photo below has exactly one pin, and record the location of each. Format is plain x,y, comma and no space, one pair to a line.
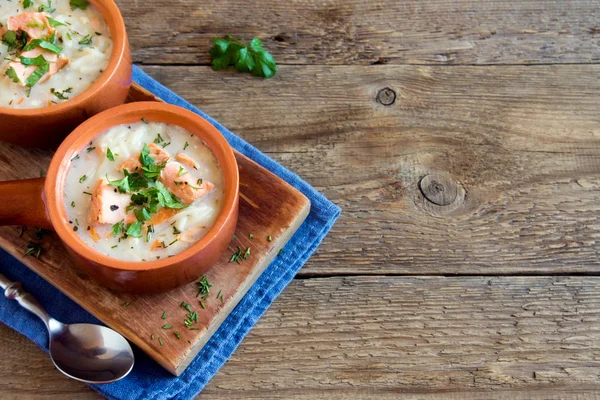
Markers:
27,3
177,335
121,184
83,178
142,215
87,39
160,341
117,228
43,68
44,45
253,58
270,238
109,154
33,249
251,236
126,304
240,255
176,231
165,144
75,158
62,95
47,9
88,193
158,139
150,231
15,40
90,149
181,171
81,4
12,74
185,146
186,306
144,121
203,286
135,229
167,327
164,315
54,23
72,204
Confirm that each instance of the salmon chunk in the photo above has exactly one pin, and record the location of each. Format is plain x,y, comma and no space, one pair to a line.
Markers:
187,160
23,72
133,164
158,154
108,205
178,181
34,23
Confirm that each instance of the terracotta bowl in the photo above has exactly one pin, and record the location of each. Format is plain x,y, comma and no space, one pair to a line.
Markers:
45,127
39,202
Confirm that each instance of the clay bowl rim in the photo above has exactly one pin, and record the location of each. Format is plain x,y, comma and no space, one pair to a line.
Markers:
120,45
131,113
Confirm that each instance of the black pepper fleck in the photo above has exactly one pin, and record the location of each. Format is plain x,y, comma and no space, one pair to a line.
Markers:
114,207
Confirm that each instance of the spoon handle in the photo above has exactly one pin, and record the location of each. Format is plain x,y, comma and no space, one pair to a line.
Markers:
15,291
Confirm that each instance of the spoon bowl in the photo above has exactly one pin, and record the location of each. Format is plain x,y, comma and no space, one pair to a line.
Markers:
85,352
90,353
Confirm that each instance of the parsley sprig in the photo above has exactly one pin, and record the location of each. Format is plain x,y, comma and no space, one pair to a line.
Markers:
145,199
252,58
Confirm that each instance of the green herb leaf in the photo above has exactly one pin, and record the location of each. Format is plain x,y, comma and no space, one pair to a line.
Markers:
121,184
109,154
15,40
164,315
44,45
47,8
142,215
33,249
117,228
61,95
135,229
82,179
87,39
27,3
43,68
81,4
253,58
12,74
54,23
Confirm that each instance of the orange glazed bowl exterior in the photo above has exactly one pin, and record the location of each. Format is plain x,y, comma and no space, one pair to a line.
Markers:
45,127
144,276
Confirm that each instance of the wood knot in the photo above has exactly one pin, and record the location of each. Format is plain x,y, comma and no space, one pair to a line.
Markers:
439,189
386,96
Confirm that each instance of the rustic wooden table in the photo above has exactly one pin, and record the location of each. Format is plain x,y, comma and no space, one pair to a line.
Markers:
461,139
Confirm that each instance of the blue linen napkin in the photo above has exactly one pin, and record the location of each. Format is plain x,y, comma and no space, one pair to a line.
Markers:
148,380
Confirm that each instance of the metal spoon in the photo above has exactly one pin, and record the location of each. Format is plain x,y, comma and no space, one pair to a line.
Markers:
85,352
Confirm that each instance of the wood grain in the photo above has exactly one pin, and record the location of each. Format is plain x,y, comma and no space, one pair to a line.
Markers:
364,31
521,145
401,337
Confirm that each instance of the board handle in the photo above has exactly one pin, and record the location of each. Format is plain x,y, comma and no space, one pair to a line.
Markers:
22,203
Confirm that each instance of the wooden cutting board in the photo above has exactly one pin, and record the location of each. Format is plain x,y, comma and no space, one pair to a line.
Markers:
269,207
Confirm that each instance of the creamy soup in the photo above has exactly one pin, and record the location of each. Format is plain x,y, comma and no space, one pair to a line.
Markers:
51,51
143,191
